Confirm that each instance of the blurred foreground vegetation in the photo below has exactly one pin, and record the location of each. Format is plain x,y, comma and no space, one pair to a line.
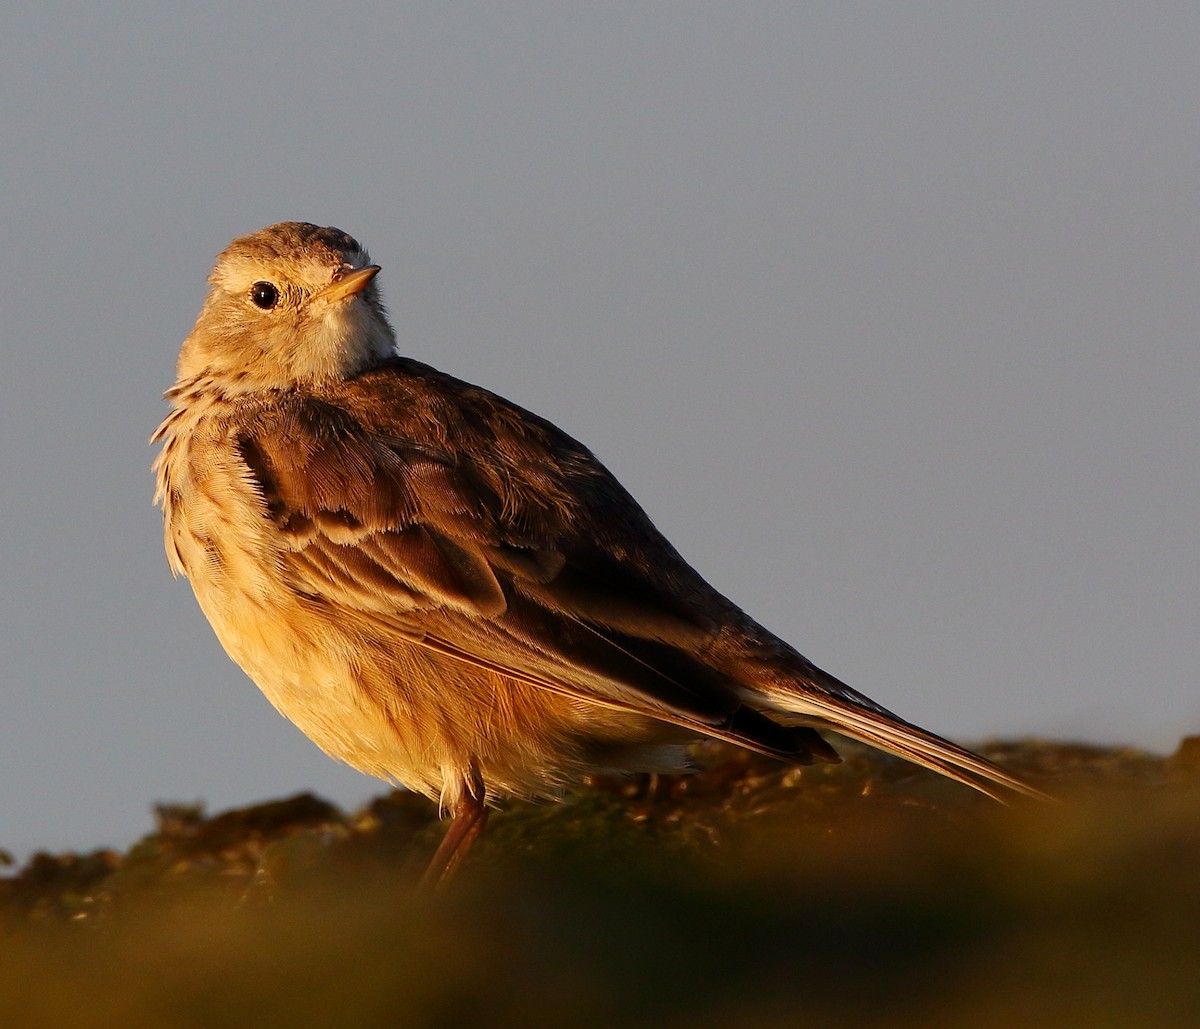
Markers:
750,894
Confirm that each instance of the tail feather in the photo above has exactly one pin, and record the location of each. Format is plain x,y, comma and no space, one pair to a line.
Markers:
880,728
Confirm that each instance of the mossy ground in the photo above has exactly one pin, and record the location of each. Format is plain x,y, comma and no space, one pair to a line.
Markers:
749,894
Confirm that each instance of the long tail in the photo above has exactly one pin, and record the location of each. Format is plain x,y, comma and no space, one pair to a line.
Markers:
843,710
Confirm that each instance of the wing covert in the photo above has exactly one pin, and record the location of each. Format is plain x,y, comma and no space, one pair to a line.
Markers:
465,545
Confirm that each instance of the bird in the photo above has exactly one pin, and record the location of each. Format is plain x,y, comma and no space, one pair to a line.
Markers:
442,589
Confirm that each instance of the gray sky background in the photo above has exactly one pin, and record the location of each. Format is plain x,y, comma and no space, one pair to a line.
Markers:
887,313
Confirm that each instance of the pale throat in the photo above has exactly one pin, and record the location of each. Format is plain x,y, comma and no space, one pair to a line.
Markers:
342,342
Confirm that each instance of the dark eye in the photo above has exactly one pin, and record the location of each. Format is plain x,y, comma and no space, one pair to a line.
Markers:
264,295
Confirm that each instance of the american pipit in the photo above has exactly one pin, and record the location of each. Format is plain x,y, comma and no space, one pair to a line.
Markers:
442,589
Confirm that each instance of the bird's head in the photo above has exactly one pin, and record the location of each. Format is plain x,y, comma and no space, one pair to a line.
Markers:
292,303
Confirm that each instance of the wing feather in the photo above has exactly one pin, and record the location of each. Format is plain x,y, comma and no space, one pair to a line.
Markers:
442,514
436,537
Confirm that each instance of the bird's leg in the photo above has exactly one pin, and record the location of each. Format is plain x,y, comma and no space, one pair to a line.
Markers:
468,817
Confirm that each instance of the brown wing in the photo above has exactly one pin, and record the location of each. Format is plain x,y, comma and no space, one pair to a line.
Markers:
454,519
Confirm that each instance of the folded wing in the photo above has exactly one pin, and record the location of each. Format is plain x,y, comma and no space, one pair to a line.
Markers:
471,547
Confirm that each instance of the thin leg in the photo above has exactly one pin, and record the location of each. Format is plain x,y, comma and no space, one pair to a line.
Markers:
469,816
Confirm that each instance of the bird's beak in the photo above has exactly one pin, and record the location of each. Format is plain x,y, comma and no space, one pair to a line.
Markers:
347,284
